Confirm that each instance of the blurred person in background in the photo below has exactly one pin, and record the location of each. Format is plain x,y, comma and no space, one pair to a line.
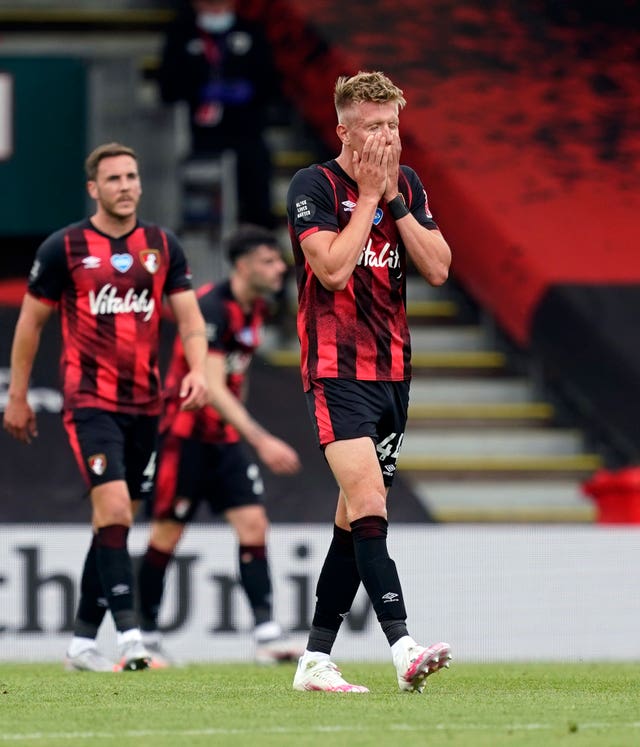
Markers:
353,222
222,66
202,457
107,276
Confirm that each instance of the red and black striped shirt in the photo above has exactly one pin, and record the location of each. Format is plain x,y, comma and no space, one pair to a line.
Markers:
109,294
231,332
360,332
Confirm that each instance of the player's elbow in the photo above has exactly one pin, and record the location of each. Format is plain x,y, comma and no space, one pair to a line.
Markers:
438,275
334,281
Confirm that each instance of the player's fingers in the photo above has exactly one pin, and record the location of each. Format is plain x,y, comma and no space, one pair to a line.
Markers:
376,152
14,431
292,464
187,395
22,435
373,147
366,148
189,406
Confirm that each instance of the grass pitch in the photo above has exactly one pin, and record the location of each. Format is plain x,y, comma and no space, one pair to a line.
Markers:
241,704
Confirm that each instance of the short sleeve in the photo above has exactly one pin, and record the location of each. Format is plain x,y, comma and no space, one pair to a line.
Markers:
311,202
49,274
417,201
179,275
216,322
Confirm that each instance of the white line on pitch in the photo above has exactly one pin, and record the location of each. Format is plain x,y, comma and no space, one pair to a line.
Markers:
320,729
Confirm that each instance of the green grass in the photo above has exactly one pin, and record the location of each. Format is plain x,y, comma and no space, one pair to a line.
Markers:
240,704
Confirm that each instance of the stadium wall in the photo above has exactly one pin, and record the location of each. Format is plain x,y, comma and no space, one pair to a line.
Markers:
499,594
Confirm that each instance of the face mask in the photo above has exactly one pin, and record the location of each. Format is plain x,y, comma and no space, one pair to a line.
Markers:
216,23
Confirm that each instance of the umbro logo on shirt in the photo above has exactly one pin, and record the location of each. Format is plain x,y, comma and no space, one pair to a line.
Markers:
91,262
348,205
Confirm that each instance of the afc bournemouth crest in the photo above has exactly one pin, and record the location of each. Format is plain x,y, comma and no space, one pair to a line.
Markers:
181,507
97,464
150,259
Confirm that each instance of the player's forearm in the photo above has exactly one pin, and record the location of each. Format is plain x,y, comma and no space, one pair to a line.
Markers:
23,352
335,267
235,413
191,328
427,249
194,343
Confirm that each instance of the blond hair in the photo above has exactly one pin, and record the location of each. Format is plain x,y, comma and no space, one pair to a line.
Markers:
373,87
107,150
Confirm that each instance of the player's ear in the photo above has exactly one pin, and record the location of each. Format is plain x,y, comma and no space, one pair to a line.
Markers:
92,189
343,133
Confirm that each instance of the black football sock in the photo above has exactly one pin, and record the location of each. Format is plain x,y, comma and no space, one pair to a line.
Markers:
151,575
336,589
379,575
116,574
92,606
256,581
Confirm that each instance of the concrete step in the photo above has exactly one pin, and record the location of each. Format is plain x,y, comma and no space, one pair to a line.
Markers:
471,391
505,501
491,442
456,414
438,310
460,362
417,467
455,338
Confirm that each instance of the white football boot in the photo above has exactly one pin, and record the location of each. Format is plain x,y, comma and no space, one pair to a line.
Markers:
89,660
415,663
317,672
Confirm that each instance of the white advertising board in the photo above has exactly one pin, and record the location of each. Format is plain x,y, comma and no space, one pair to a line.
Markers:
494,593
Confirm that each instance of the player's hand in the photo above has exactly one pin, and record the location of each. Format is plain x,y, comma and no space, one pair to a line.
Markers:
277,455
393,168
370,167
20,420
194,391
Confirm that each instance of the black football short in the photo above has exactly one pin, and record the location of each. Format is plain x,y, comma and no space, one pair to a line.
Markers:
114,446
190,471
341,409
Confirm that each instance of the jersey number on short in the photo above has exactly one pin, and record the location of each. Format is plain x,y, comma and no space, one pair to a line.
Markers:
387,449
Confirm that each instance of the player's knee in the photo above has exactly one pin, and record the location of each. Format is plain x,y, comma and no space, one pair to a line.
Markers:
252,530
165,535
113,514
372,504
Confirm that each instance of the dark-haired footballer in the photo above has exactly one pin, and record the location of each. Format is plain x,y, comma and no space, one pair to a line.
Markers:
203,457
